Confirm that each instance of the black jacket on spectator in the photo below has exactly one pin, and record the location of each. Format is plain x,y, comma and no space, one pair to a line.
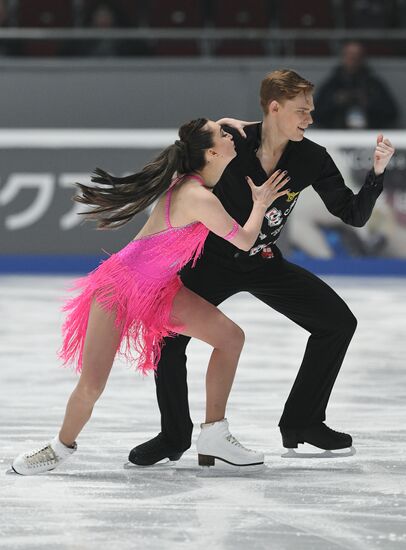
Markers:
344,94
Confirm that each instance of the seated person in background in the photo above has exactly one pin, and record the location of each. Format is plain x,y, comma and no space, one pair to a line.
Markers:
105,15
353,96
7,47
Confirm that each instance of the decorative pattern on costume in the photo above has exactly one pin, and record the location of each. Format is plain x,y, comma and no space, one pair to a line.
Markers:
267,253
257,249
274,217
291,196
277,231
291,207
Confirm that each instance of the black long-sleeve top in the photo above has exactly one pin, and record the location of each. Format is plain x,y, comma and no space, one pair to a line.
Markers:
307,164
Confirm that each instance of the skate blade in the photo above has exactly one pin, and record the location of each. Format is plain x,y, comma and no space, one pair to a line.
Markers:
162,464
11,471
337,453
223,469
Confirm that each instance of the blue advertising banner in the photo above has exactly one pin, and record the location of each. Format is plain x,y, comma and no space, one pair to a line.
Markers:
41,231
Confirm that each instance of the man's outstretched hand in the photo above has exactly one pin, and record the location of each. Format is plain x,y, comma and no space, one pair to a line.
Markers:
383,153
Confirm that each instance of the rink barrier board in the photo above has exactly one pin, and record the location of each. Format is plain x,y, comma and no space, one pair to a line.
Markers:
152,139
44,247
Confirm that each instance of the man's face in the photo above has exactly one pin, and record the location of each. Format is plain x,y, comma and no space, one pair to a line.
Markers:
293,116
353,56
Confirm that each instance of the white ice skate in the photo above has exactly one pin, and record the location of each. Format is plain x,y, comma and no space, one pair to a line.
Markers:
216,445
44,459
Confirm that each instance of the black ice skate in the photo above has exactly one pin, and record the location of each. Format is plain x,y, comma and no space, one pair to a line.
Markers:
152,452
334,444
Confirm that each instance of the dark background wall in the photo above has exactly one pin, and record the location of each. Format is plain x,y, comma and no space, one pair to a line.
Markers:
150,93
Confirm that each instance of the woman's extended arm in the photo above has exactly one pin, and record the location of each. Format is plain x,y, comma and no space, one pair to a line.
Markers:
208,210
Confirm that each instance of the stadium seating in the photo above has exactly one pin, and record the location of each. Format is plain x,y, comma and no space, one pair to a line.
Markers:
311,14
221,14
43,13
369,13
242,13
183,13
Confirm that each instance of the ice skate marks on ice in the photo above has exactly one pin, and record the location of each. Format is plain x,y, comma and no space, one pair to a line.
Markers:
321,453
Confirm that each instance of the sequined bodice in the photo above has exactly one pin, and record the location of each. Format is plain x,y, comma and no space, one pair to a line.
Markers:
162,254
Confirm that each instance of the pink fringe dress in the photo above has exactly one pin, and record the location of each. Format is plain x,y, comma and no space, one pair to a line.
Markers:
138,284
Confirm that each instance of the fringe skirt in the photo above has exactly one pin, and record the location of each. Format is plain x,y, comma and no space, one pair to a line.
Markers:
142,306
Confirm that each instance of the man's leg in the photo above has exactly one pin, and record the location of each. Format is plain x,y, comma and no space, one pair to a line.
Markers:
214,285
312,304
172,393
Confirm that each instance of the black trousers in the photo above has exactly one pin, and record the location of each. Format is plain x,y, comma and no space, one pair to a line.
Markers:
290,290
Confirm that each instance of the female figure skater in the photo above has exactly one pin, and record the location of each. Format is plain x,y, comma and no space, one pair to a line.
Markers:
135,298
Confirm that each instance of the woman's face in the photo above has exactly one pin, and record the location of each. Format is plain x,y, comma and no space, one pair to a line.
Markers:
223,145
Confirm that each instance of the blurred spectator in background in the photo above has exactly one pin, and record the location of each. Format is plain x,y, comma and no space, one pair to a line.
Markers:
105,15
7,47
353,96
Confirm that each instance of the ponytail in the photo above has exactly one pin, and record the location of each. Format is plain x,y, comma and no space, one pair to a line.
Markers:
117,200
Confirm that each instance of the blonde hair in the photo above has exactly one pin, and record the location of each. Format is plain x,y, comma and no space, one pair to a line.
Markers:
282,85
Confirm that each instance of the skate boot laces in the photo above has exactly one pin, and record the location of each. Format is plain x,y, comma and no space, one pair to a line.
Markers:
235,442
45,455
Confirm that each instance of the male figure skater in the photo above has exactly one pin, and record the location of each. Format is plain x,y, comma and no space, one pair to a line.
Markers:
276,143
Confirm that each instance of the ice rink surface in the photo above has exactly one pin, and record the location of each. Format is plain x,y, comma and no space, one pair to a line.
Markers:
355,503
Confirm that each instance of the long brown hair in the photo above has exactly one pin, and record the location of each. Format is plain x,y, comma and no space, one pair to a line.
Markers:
117,200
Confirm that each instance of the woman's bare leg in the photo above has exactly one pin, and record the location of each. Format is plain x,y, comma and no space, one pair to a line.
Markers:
200,319
102,340
204,321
